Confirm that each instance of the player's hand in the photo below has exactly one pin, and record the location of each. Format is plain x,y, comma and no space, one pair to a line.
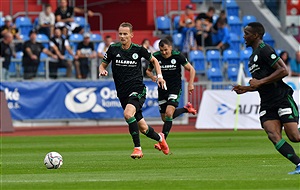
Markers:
34,57
154,79
162,83
191,88
254,83
103,73
239,89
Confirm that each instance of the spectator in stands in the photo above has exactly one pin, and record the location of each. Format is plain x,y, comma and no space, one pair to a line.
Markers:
31,58
187,18
206,20
10,27
221,39
145,63
189,41
295,65
223,16
85,52
64,16
59,46
6,52
103,46
284,55
46,21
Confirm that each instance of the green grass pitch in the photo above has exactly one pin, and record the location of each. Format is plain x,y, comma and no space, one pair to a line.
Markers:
199,160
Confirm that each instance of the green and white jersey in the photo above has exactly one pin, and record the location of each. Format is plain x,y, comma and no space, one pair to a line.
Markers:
171,68
126,67
260,66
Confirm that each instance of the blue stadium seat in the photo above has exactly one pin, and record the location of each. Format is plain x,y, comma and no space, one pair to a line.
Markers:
268,39
278,51
74,39
235,25
82,22
232,8
96,39
177,40
24,37
244,57
214,57
15,63
232,73
24,24
197,59
235,42
42,38
1,21
247,19
214,74
163,24
36,23
41,68
176,23
231,57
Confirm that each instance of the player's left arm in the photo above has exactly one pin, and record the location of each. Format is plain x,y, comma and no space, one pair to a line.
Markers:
192,71
280,72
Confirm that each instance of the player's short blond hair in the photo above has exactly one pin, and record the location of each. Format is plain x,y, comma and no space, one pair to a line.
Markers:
126,24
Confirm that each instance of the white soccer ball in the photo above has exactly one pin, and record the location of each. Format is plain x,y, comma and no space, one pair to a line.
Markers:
53,160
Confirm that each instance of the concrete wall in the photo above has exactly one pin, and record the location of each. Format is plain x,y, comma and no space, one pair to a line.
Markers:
271,24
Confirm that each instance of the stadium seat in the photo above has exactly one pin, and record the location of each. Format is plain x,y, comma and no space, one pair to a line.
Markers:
176,23
24,24
247,19
24,37
214,74
244,58
74,39
232,8
235,42
177,40
82,22
232,73
96,39
42,38
15,64
278,51
231,57
36,23
197,1
268,39
163,24
235,25
41,68
214,57
1,21
197,59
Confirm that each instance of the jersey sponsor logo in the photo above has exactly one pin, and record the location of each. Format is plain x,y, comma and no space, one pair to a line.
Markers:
284,111
255,58
118,55
262,113
273,56
168,66
173,61
253,68
135,56
125,62
81,100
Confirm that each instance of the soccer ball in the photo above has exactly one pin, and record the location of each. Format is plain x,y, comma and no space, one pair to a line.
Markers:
53,160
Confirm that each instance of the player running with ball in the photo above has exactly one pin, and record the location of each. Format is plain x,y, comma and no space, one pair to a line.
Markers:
168,99
125,58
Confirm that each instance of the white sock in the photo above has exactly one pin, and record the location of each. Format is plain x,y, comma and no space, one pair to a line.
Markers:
140,148
160,139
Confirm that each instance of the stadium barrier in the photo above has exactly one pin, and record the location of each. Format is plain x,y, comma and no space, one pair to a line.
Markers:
224,109
52,103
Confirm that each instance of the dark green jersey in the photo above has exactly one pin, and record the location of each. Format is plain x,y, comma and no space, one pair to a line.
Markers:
126,67
171,68
260,66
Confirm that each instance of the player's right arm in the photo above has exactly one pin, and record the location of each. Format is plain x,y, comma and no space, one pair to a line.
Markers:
106,60
102,69
242,89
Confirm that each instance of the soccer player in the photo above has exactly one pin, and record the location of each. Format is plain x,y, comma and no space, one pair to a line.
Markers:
171,62
277,108
125,58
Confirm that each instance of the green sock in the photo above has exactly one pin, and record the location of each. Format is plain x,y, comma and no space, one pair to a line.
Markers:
287,151
167,126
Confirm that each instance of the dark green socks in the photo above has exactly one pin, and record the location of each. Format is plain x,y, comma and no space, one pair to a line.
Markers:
152,134
134,131
287,151
167,126
178,112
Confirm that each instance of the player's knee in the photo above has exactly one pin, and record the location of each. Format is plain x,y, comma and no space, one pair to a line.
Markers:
127,115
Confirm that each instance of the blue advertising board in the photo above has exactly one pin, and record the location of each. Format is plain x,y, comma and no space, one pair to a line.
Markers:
64,100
